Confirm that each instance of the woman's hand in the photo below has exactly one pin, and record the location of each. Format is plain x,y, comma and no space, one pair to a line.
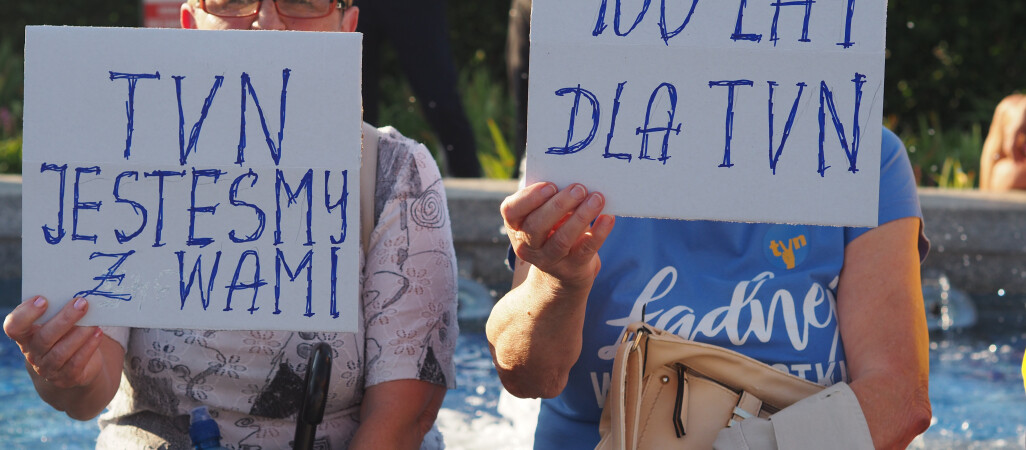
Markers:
553,230
556,236
57,351
70,365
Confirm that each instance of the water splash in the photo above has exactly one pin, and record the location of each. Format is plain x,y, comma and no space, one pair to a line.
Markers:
946,307
475,303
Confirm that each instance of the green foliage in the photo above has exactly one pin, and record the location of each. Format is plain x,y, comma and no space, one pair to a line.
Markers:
501,164
11,87
16,15
491,116
477,33
97,13
11,91
948,65
954,60
10,155
400,109
945,158
952,176
485,100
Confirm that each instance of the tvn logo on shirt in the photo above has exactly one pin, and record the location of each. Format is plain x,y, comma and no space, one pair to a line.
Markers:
786,246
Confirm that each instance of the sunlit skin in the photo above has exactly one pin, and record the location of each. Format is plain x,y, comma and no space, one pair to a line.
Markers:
194,17
556,235
1003,160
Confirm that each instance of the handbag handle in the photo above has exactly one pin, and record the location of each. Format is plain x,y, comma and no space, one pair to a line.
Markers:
628,358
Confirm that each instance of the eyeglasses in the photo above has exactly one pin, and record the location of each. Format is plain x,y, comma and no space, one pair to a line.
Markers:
296,9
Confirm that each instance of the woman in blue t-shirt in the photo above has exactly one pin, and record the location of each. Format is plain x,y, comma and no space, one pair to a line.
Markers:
838,306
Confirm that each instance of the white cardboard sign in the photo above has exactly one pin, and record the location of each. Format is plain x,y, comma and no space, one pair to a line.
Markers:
193,179
724,110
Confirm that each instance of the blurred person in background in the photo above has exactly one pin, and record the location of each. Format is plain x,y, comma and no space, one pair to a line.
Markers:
418,32
518,53
1003,160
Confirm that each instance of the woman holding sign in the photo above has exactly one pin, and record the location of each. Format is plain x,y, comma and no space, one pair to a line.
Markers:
388,380
840,307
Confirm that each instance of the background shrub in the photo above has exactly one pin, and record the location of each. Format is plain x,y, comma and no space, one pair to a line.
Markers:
948,65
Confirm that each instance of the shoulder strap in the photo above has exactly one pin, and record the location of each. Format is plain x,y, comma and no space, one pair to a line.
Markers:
368,183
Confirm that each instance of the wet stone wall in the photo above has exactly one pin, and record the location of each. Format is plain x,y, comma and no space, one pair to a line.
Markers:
979,239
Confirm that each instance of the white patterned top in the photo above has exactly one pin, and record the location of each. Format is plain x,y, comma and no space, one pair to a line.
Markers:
252,381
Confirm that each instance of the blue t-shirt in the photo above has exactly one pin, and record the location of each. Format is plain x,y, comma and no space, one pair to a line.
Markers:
764,290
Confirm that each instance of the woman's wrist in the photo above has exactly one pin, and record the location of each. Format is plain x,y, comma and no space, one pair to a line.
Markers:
71,401
560,288
88,399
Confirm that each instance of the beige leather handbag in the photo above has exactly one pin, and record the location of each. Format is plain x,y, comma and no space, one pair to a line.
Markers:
668,392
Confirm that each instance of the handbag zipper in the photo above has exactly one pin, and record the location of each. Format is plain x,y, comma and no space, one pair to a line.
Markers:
682,371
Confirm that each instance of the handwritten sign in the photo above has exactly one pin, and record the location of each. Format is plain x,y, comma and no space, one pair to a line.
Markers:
195,179
726,110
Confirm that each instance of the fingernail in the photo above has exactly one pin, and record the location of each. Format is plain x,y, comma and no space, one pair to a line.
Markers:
578,192
549,190
80,304
39,302
595,201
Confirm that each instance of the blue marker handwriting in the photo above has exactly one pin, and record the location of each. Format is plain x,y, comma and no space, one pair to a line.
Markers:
135,199
188,143
227,229
660,121
628,17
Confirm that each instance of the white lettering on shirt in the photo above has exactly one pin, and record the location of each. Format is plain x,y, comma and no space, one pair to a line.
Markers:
818,308
601,389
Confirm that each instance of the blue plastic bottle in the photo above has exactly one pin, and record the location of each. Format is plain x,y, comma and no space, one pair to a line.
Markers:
203,430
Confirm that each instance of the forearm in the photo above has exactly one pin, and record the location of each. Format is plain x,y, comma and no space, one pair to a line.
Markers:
397,414
387,433
890,371
883,326
896,406
535,332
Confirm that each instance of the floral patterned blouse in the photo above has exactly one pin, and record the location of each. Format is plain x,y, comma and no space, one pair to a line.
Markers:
252,381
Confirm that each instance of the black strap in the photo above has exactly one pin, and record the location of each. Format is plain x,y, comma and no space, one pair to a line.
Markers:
678,406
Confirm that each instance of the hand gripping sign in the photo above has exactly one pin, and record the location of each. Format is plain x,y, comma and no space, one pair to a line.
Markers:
737,110
194,179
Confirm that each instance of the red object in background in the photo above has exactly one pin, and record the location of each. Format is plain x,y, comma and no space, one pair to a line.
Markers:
161,13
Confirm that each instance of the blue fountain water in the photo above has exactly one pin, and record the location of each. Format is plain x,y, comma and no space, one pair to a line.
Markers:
27,422
946,307
976,389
